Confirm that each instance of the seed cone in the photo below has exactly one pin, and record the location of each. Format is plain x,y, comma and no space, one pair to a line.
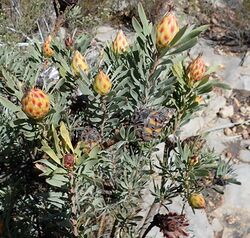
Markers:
166,30
197,201
120,44
102,83
149,123
79,63
196,69
47,51
172,225
35,103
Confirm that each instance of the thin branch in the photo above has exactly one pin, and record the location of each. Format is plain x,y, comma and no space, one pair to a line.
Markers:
101,226
112,233
227,126
148,230
47,25
104,110
40,31
19,32
150,213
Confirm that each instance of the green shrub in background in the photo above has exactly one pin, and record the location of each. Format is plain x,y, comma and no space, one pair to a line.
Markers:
81,170
19,20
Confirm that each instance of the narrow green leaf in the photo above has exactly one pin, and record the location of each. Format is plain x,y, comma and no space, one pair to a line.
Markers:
122,133
219,84
185,46
46,149
206,88
143,18
8,104
203,81
192,34
201,172
55,183
46,162
94,152
178,36
60,177
56,140
136,25
178,70
56,200
60,171
65,135
84,88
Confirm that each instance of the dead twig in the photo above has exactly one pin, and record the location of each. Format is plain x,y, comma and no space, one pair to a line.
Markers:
227,126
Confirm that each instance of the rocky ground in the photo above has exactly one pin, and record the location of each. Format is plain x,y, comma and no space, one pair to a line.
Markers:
227,216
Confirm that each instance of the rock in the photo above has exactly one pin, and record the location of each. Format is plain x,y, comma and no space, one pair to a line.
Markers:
124,5
228,155
214,104
245,134
227,111
248,109
217,226
236,102
248,112
236,196
228,93
213,142
237,118
228,132
243,109
234,129
231,219
105,33
240,129
48,76
244,156
236,205
193,127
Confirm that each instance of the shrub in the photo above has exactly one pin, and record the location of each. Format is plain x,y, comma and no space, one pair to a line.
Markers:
80,169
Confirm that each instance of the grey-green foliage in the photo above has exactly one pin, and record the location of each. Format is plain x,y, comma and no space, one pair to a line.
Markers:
102,192
18,19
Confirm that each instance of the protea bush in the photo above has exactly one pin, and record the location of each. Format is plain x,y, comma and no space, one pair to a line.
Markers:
76,150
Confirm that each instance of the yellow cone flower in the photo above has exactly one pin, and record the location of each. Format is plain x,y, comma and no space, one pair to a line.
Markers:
166,30
196,69
79,63
120,44
47,51
102,83
197,201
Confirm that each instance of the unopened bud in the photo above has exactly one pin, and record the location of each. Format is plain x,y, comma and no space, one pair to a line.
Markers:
68,161
197,201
